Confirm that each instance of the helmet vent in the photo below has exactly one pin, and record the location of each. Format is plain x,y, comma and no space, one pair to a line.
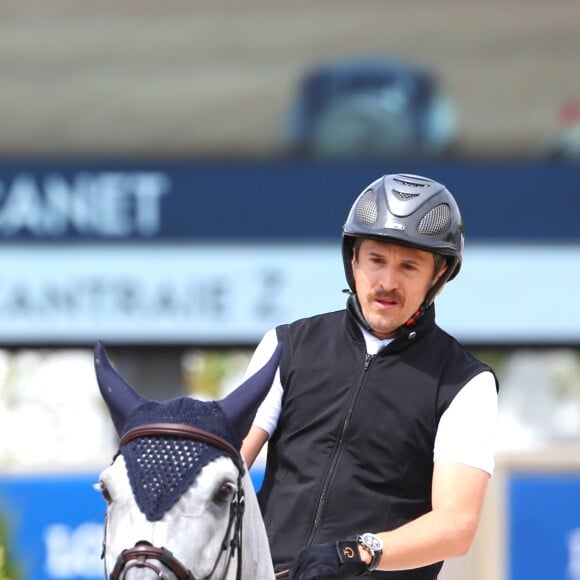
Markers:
405,196
410,183
366,209
435,221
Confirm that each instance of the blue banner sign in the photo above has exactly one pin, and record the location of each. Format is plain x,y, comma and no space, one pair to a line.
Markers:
544,526
255,200
55,524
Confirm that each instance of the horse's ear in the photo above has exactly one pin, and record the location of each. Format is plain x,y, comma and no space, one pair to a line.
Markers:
120,397
241,405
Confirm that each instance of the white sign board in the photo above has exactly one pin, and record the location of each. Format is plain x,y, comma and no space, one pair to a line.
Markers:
228,294
156,294
514,293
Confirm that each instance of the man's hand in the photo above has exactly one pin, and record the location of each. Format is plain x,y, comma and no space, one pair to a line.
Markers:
328,561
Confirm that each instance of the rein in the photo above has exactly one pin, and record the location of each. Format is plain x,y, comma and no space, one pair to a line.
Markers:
140,555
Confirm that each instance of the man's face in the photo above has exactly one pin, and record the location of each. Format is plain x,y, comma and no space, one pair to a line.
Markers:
391,283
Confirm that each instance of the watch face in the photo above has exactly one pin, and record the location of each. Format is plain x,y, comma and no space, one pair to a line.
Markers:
373,542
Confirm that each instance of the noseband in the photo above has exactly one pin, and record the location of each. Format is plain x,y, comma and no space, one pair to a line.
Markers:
143,552
138,557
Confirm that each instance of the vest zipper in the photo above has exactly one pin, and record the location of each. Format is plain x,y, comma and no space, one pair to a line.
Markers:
321,506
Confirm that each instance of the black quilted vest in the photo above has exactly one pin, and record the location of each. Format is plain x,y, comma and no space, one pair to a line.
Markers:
353,450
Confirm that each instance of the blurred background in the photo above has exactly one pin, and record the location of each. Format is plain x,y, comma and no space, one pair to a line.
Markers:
173,181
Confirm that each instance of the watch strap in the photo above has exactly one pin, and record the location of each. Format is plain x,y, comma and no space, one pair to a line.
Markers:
375,554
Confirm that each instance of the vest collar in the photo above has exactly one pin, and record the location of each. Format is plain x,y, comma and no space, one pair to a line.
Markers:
406,335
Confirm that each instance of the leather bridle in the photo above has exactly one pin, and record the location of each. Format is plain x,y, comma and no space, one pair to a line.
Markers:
144,554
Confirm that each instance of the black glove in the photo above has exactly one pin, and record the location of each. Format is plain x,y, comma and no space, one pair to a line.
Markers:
327,561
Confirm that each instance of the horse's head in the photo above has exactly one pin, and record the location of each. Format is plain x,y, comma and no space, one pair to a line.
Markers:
177,491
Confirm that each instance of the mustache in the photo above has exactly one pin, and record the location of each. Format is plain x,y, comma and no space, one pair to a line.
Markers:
387,294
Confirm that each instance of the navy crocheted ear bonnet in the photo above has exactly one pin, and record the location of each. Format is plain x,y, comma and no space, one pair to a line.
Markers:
162,468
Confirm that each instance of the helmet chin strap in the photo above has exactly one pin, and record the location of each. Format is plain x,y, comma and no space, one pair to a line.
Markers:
356,310
354,306
429,299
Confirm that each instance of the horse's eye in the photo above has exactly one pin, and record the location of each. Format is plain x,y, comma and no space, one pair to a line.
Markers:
104,491
224,492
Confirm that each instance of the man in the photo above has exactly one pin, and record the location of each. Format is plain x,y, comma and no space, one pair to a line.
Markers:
381,427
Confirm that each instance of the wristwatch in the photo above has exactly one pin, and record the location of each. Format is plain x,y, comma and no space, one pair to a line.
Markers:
374,546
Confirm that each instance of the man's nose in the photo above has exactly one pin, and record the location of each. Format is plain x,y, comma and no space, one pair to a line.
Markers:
388,279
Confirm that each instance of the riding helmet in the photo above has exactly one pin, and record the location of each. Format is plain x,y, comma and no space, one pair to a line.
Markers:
409,210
